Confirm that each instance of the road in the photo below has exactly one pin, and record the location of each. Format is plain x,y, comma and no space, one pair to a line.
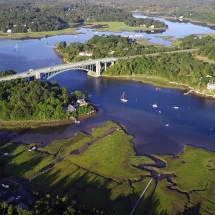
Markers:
68,66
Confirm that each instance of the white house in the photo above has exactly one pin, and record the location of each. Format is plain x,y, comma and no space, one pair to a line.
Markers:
9,31
111,52
85,53
81,102
70,109
210,86
152,26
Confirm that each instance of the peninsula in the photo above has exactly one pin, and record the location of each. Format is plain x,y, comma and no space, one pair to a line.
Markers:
40,103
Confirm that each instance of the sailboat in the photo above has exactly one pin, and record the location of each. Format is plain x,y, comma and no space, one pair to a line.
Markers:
123,98
16,46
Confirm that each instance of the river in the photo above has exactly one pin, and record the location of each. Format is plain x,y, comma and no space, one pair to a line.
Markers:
193,123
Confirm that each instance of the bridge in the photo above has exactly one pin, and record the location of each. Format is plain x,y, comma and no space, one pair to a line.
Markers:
93,67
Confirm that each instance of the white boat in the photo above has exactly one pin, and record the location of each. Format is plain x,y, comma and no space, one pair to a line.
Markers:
123,98
175,107
75,37
167,125
154,106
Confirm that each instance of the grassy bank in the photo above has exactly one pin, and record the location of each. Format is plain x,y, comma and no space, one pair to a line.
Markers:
95,169
10,124
154,80
37,34
116,27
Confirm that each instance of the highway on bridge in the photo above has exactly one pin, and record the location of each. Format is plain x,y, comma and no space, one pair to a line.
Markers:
71,66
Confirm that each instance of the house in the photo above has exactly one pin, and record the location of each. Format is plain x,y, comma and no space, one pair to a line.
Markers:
9,31
111,52
152,26
81,102
70,109
180,17
210,86
85,53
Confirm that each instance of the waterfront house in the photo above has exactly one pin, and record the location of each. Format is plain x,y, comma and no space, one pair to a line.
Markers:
210,86
70,109
81,102
9,31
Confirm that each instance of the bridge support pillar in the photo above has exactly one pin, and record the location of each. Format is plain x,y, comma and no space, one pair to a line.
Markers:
37,75
98,67
105,66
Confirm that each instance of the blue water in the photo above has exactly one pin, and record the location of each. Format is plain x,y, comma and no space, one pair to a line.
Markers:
193,123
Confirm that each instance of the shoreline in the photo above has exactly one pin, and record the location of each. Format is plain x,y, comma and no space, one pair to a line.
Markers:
180,86
40,123
155,14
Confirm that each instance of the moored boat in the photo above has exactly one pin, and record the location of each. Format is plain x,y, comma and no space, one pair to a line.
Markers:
123,98
154,106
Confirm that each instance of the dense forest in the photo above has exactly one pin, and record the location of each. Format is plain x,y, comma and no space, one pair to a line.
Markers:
36,100
206,45
101,10
177,67
44,17
106,46
32,100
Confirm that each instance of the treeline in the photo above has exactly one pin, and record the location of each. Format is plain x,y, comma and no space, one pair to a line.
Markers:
32,100
177,67
7,72
48,205
106,46
205,44
49,17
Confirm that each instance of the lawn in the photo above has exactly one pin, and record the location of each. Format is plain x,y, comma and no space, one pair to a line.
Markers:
37,34
115,26
156,81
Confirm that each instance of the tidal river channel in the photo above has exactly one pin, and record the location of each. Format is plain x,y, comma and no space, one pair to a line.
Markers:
161,130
